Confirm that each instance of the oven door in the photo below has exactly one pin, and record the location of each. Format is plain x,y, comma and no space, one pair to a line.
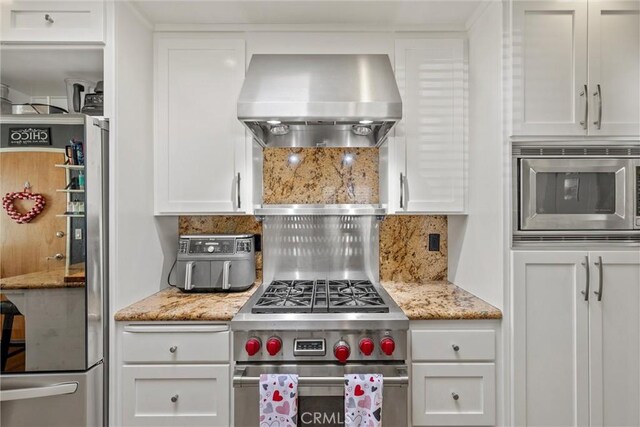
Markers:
576,194
321,392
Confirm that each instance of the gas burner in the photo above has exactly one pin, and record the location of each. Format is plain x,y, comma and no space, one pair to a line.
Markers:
320,296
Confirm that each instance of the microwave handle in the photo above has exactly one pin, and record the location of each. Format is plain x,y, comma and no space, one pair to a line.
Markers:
188,273
225,275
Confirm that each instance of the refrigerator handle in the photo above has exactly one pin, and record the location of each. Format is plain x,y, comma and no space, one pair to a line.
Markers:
34,392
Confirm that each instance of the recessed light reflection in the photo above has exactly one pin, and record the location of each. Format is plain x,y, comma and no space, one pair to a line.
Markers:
293,159
348,159
274,122
365,122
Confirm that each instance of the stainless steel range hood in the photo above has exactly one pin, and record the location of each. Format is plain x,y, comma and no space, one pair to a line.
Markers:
320,100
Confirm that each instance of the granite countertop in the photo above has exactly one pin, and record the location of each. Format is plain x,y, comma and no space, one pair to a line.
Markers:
42,280
439,301
171,304
419,301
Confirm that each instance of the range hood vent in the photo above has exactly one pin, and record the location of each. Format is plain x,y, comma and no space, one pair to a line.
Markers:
320,100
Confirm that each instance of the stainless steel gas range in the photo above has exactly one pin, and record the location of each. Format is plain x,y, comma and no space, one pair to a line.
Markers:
320,314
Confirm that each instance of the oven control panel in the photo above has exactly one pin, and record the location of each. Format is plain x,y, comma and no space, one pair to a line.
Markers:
637,194
309,347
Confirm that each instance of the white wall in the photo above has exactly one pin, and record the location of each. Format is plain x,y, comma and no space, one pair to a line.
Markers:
476,248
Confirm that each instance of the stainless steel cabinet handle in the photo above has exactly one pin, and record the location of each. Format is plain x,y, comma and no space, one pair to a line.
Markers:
48,18
586,288
174,398
173,349
598,121
38,392
238,190
56,256
584,93
60,234
401,191
455,347
600,277
455,396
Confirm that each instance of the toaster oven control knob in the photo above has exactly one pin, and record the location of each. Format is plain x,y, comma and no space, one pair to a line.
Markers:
366,346
387,345
210,249
252,346
274,345
341,351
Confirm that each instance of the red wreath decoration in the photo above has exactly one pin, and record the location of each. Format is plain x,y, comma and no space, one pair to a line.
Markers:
14,214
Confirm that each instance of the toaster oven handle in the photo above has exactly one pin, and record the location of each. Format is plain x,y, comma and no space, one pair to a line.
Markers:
188,272
225,275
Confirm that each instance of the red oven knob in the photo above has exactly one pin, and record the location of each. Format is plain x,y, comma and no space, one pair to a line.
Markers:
387,345
341,351
252,346
366,346
274,345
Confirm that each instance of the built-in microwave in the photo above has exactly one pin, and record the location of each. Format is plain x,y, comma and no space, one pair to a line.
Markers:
576,193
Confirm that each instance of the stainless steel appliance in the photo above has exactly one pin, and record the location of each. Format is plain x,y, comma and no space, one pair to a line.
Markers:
94,102
320,314
576,193
216,262
77,89
54,340
320,100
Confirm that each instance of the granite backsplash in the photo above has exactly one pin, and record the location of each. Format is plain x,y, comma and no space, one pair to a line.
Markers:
404,254
320,176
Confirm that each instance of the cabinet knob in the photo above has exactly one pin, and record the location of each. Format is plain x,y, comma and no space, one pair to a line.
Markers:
455,396
48,18
455,347
173,349
174,398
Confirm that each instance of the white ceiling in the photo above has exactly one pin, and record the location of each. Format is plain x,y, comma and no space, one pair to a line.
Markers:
387,13
42,71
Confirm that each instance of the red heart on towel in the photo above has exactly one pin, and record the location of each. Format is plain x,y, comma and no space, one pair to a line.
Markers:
371,379
358,391
290,385
276,396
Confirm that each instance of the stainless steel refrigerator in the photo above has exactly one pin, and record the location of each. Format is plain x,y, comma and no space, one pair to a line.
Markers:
53,275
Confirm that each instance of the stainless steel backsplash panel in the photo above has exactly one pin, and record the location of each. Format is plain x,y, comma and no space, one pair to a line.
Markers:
320,247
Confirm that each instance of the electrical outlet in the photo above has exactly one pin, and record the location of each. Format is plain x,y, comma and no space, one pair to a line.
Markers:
434,242
78,234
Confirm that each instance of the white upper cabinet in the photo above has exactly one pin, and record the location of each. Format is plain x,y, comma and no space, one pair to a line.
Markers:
428,147
24,21
200,146
576,68
614,67
549,68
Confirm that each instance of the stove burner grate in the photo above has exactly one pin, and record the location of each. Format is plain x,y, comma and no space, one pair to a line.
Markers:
320,296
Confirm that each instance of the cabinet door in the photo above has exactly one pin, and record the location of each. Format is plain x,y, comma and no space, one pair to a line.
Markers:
549,68
550,342
614,67
174,395
453,394
199,142
430,75
614,338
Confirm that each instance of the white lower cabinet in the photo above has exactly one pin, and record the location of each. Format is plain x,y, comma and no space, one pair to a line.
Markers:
161,395
453,373
173,374
576,345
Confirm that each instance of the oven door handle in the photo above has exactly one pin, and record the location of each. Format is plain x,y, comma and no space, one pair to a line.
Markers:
240,380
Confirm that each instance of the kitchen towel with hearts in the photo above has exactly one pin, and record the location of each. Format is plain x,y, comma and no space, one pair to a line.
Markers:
278,400
363,400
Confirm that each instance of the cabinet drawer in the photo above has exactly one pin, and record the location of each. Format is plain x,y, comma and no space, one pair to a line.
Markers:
175,344
46,21
453,345
172,395
453,394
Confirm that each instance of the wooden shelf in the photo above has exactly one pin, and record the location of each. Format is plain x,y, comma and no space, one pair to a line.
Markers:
64,190
71,167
